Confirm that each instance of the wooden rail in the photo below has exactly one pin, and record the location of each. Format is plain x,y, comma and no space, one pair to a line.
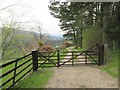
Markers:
25,65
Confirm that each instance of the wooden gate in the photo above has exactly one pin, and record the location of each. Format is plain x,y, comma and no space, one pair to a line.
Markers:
47,59
94,55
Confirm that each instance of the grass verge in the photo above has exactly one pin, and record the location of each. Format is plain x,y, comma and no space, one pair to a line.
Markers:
112,66
36,80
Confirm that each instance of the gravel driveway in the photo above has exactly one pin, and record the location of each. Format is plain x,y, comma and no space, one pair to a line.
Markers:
81,76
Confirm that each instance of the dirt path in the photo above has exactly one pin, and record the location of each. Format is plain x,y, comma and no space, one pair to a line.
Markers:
81,77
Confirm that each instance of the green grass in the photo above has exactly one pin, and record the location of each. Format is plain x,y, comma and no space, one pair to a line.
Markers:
112,66
36,80
10,67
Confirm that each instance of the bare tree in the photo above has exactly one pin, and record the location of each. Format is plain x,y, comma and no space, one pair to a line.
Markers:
8,28
4,8
39,37
8,32
9,6
6,41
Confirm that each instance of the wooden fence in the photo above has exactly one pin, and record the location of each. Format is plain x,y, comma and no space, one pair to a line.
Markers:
14,71
38,59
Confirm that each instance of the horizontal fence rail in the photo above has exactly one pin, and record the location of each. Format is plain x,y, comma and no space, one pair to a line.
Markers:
13,71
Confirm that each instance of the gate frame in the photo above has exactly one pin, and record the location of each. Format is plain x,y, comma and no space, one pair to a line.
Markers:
100,57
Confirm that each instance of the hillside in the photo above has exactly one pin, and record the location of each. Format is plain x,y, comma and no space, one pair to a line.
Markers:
24,42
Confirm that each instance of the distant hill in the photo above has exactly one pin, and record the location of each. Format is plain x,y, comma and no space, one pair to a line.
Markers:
52,36
54,40
59,37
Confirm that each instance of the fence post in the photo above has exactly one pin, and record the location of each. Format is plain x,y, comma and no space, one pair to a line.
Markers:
58,57
86,57
106,53
72,58
35,60
15,72
101,55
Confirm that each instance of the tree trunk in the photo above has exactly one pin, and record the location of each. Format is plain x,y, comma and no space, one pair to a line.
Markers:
106,9
74,38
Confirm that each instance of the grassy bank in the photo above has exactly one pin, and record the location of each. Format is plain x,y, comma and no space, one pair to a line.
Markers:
112,66
36,80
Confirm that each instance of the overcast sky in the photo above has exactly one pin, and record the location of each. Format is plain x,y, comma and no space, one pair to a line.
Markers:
30,13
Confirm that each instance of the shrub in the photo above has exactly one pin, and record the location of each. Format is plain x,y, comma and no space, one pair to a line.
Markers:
46,48
40,43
